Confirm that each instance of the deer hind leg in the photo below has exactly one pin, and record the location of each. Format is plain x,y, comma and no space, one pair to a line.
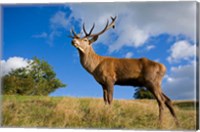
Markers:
156,92
169,105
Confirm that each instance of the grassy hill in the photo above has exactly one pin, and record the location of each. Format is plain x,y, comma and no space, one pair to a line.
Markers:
67,112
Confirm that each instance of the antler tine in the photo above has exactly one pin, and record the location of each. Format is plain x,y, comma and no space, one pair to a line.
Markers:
106,27
74,33
86,34
113,19
91,29
112,24
70,36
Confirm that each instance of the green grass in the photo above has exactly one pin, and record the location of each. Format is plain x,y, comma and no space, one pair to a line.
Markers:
187,105
67,112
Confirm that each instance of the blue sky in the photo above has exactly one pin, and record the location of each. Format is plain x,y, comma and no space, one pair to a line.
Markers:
154,30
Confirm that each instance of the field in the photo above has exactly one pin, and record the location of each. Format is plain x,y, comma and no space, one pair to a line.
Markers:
67,112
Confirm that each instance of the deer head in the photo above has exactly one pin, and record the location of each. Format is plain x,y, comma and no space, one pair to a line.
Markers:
84,43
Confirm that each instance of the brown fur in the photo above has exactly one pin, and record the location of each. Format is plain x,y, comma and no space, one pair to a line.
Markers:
110,71
140,72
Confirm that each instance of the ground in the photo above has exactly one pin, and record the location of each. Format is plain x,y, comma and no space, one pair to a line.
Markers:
68,112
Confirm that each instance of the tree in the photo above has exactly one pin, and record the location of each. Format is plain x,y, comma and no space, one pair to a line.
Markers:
38,78
143,93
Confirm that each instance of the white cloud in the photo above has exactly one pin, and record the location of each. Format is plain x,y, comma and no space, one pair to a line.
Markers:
181,50
129,55
58,20
128,36
150,47
136,22
180,83
157,60
41,35
13,63
52,35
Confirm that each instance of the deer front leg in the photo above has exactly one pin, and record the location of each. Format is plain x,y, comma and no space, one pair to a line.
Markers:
105,95
110,95
109,92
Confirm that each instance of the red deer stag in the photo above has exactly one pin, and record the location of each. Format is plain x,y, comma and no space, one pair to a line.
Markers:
110,71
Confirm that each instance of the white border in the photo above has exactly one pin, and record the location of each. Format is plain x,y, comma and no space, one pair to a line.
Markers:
67,1
75,1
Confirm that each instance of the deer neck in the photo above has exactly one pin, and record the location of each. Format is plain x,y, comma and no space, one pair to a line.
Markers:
89,59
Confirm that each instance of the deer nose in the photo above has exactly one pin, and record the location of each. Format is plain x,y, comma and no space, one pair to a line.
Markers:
73,41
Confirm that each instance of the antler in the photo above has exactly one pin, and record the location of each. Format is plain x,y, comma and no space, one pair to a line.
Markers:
88,34
107,27
73,34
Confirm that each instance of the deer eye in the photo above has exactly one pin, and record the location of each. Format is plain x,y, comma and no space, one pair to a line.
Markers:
85,40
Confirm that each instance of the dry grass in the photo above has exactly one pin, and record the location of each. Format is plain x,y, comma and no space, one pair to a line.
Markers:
54,112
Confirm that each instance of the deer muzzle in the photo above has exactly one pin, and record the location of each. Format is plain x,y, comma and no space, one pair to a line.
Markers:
76,44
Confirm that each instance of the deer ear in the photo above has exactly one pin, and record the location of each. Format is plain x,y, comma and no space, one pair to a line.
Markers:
93,39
